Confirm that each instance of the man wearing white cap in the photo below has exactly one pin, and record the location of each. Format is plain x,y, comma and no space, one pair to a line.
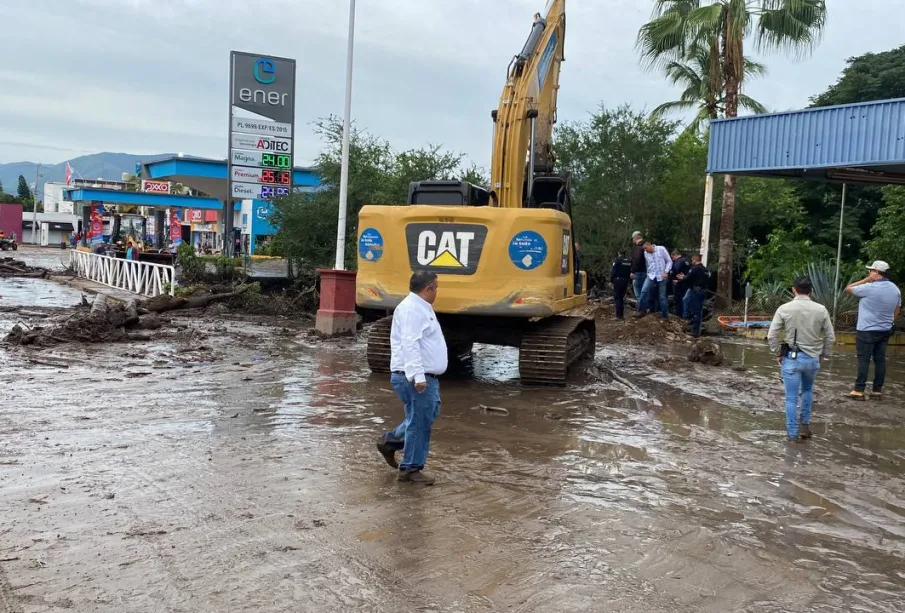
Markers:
879,306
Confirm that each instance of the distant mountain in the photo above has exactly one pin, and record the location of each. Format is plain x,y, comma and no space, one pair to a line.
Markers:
108,166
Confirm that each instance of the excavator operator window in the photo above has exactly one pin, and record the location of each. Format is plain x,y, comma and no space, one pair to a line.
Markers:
548,193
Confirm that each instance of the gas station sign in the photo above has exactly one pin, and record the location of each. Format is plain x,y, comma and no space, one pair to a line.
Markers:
260,155
261,130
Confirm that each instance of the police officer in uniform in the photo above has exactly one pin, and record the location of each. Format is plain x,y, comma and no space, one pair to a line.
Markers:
620,278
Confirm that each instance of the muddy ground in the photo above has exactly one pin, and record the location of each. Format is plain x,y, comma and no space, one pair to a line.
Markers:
230,466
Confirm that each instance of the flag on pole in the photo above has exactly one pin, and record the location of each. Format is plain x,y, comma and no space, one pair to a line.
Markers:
68,174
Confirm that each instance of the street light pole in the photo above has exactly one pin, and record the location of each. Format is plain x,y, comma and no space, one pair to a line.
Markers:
34,207
344,169
839,253
336,315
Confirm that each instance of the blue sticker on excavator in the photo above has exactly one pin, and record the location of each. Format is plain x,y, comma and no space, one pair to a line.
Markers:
527,250
370,245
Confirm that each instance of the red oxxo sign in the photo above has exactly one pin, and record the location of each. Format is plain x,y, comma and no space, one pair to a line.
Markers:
155,187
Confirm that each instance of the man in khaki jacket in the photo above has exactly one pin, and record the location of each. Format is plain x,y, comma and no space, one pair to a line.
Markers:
809,337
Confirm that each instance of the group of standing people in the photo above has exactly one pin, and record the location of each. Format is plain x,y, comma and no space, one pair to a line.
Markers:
651,272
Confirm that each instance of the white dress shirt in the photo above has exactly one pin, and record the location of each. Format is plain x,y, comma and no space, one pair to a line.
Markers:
658,263
417,346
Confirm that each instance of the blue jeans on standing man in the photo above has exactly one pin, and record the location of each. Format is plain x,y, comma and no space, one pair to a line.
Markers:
638,287
798,376
660,287
413,435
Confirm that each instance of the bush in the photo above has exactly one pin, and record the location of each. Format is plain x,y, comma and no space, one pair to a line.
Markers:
228,269
191,265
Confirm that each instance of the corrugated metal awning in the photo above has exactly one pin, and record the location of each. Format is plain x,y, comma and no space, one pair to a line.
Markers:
854,143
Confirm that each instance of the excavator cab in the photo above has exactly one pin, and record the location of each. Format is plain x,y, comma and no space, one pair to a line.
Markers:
447,193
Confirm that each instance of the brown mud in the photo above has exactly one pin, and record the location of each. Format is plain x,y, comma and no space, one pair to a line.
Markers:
649,329
229,465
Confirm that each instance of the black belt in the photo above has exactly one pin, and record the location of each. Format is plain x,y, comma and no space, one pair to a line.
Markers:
402,372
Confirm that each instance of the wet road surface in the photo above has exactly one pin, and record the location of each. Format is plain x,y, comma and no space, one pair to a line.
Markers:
238,473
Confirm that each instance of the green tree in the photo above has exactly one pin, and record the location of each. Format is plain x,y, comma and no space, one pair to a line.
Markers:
887,243
699,75
678,212
868,77
23,191
377,175
617,160
872,76
723,26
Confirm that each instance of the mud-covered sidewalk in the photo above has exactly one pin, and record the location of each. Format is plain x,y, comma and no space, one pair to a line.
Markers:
232,468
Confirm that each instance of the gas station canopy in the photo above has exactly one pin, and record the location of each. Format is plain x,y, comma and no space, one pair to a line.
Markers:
112,196
209,176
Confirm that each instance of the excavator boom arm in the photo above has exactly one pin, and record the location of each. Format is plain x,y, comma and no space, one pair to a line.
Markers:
523,132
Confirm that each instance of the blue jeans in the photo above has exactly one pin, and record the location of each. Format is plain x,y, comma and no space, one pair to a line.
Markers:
798,376
660,286
638,286
421,411
695,308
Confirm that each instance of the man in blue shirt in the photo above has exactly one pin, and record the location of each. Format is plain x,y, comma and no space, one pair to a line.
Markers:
879,306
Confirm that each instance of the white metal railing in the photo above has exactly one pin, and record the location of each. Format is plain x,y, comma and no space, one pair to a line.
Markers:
142,278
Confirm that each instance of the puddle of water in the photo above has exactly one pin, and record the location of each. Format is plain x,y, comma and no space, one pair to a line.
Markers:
52,259
16,291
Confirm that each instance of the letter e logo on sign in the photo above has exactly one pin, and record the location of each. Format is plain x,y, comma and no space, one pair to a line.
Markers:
445,248
265,71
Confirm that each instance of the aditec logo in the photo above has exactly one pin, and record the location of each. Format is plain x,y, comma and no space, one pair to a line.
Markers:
453,249
265,72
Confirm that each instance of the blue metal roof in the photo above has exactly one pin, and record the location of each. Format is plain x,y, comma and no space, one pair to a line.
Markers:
814,143
142,199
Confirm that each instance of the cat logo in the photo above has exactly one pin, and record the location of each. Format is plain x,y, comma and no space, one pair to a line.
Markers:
445,248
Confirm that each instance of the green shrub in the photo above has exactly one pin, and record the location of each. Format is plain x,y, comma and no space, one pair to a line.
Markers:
191,265
228,269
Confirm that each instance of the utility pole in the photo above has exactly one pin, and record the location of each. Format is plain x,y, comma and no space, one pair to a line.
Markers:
34,207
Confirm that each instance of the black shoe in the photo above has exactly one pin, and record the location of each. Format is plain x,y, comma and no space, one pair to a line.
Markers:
415,476
641,315
804,431
388,452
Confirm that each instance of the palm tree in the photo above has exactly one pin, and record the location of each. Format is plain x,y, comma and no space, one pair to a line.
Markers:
699,74
722,27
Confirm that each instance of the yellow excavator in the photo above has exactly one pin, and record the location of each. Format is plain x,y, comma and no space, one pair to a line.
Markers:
506,256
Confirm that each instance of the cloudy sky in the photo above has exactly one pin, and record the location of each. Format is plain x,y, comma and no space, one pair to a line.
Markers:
148,76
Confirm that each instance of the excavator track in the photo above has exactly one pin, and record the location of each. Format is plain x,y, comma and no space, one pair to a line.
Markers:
379,345
553,345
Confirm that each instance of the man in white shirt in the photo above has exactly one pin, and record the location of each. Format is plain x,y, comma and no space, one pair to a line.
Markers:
417,356
658,266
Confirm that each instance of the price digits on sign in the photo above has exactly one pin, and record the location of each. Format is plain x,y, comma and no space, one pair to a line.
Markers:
268,192
272,160
279,177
